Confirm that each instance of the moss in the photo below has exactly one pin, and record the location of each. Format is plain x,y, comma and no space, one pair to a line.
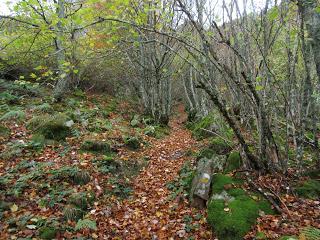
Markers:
205,153
47,232
219,146
132,142
197,127
51,127
220,181
233,219
95,146
233,162
309,189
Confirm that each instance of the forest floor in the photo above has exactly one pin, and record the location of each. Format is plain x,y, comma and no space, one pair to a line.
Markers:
151,213
55,189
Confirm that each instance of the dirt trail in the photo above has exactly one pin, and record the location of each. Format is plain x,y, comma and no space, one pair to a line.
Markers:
149,214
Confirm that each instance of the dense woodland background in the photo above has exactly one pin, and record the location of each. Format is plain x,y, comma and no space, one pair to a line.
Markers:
246,72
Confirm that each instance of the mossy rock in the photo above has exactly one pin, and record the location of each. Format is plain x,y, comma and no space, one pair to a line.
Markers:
51,127
219,146
233,162
73,213
132,142
81,177
47,233
4,131
309,189
96,146
233,219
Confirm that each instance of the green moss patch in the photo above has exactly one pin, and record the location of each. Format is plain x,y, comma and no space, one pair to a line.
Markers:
309,189
233,219
233,162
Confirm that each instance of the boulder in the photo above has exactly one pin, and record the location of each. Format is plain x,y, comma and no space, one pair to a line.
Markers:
200,188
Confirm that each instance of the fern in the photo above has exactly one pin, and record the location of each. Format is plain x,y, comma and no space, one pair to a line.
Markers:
86,223
310,233
13,114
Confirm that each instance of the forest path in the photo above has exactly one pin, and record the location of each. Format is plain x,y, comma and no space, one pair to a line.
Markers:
150,213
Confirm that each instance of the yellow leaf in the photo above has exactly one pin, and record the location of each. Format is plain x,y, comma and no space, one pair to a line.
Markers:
159,214
14,208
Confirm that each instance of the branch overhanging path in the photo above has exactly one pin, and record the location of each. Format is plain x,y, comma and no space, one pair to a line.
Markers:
151,213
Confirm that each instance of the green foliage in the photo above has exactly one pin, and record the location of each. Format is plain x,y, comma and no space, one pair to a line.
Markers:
233,219
73,213
79,200
182,185
4,131
81,177
20,88
219,146
51,127
132,142
135,121
233,162
120,189
86,224
197,127
108,165
13,115
310,233
309,189
288,238
95,146
44,108
47,233
8,98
